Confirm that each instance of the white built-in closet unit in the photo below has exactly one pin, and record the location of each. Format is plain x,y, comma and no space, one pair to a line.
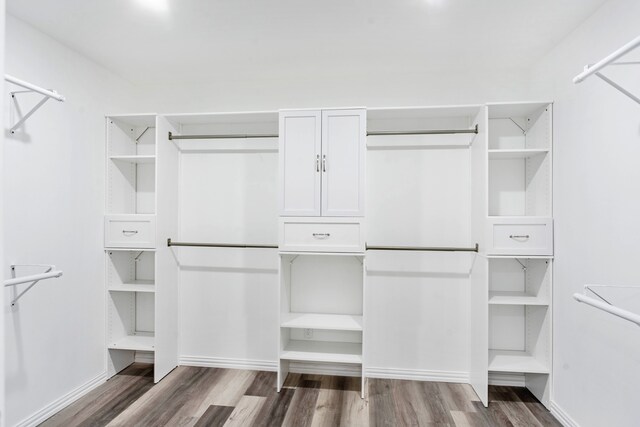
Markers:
141,276
489,221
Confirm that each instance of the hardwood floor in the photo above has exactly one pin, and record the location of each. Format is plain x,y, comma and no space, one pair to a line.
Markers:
191,396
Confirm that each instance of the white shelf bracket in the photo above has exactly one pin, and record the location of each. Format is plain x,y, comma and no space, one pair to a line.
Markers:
49,273
594,69
30,88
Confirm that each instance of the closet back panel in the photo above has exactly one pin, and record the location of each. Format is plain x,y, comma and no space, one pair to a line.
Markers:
228,191
419,197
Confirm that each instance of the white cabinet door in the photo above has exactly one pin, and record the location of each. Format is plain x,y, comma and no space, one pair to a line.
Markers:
343,162
300,149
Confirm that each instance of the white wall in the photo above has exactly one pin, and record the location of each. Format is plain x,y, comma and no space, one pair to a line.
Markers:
596,206
2,347
54,197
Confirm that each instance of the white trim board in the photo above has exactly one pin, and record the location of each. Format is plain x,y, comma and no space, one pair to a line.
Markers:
561,415
507,379
227,363
418,375
62,402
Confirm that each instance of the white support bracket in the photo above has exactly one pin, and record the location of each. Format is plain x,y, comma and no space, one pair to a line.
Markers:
49,273
612,59
47,94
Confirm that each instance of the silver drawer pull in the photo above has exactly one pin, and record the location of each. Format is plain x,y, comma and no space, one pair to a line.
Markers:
129,231
519,236
321,235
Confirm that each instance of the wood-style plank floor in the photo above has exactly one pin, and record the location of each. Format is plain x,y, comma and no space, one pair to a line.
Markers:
191,396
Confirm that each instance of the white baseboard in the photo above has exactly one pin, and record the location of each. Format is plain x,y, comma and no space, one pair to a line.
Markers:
418,375
506,379
144,357
561,415
339,369
221,362
64,401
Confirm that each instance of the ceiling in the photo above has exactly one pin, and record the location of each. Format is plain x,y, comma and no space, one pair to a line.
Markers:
173,41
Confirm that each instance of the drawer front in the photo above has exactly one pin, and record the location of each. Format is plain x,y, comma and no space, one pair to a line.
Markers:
322,237
128,232
522,239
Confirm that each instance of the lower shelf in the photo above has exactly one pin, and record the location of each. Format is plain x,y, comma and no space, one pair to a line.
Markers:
323,351
515,361
134,342
335,322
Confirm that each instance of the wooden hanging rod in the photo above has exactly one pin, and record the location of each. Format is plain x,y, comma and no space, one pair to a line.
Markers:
235,136
219,245
421,248
423,132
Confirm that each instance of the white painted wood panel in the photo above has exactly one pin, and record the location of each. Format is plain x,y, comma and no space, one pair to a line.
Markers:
167,268
343,162
300,163
520,236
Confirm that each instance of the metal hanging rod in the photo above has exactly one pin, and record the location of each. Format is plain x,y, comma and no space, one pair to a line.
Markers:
422,132
46,93
49,273
421,248
232,136
592,69
219,245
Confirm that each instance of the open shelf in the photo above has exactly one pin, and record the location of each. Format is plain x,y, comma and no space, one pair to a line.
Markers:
515,361
323,351
134,342
134,286
517,153
134,158
515,298
334,322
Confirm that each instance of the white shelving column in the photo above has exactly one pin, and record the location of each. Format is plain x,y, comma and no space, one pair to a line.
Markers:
141,289
322,172
519,244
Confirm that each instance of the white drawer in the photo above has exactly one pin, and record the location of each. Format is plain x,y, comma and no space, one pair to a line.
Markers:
321,235
520,236
130,231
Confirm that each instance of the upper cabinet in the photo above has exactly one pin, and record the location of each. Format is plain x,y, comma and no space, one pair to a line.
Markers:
322,163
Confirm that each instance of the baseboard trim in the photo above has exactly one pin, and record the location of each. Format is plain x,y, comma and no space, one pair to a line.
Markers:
506,379
62,402
561,415
145,357
339,369
418,375
222,362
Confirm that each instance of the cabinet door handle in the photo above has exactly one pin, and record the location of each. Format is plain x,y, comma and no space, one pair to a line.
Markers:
129,231
519,236
321,235
324,163
317,162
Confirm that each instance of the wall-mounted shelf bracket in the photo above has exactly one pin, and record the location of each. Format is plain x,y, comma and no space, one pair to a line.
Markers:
49,273
611,60
47,94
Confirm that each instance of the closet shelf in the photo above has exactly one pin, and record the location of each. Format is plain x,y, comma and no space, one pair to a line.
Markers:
515,361
518,153
134,159
134,342
515,298
335,322
323,351
134,286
